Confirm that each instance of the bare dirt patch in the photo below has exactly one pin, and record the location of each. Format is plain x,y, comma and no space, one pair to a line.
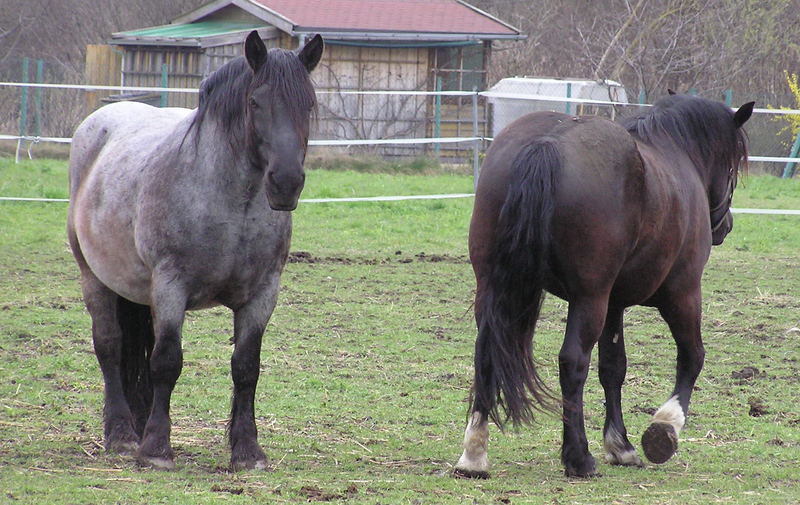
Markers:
306,257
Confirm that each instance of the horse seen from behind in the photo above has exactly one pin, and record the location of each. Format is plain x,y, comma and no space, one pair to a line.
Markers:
175,209
604,216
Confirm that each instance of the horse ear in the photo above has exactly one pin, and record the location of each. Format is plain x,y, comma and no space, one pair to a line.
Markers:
312,52
671,92
743,114
255,51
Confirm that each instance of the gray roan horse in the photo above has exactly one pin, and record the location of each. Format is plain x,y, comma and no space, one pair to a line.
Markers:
603,216
175,209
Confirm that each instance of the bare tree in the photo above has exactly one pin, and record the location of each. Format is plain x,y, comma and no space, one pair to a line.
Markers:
650,45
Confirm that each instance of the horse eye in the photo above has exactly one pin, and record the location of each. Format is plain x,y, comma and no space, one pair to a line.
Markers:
253,103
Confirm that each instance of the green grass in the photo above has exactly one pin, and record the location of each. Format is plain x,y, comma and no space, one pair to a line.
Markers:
367,363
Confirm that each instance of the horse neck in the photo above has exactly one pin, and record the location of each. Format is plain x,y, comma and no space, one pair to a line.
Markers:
222,156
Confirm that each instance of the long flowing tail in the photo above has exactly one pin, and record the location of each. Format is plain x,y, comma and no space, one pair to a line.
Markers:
509,305
137,343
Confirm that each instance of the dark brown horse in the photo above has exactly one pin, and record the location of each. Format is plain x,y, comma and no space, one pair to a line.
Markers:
604,216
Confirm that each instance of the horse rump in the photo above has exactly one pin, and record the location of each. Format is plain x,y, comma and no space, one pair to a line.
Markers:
505,371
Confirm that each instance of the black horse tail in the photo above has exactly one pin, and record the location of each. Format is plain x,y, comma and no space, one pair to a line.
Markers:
138,338
509,305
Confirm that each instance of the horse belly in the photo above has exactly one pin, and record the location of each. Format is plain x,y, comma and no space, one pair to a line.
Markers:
103,217
114,261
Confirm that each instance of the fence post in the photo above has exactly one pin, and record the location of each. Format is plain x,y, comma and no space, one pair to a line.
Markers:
37,99
437,114
477,142
23,108
728,94
788,170
569,95
164,83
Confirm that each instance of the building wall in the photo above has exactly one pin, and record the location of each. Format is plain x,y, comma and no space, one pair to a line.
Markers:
143,66
348,68
356,116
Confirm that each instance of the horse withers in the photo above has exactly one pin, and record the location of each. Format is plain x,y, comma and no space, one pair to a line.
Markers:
604,216
175,209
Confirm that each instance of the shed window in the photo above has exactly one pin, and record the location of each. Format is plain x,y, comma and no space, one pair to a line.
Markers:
461,68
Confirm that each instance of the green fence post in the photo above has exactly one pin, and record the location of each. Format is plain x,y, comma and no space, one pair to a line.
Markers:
728,94
164,83
788,170
692,91
37,99
23,106
568,109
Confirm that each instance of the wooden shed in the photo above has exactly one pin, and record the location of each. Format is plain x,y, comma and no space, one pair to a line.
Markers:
371,45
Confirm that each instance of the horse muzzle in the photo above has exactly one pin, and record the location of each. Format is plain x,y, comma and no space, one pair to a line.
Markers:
284,188
721,229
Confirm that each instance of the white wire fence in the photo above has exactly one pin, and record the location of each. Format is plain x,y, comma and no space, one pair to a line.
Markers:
482,111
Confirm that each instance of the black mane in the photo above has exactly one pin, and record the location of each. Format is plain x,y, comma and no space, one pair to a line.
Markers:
702,128
223,93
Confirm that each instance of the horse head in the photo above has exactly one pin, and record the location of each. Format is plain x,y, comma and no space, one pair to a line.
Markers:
723,180
279,103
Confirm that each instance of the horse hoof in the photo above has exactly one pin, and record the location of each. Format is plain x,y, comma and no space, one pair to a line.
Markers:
659,442
158,463
258,464
462,473
582,469
628,458
123,448
581,473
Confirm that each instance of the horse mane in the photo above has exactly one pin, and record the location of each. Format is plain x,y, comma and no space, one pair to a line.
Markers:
223,93
702,128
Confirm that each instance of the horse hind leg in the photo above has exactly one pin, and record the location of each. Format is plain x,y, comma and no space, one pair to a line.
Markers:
119,425
612,365
682,314
474,461
136,324
585,322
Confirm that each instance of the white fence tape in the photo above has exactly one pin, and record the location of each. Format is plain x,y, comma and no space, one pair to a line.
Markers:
400,198
355,142
591,101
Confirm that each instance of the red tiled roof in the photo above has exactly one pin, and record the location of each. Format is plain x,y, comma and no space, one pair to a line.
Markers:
427,16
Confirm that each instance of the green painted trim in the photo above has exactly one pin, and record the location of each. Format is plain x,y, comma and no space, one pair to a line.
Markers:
192,30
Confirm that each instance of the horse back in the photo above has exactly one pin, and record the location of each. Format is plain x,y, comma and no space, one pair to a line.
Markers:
126,128
597,196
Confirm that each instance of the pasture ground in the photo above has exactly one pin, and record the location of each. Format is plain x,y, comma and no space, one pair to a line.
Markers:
366,367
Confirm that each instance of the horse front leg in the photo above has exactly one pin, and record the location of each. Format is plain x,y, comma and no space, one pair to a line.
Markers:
683,315
166,362
585,322
612,366
249,323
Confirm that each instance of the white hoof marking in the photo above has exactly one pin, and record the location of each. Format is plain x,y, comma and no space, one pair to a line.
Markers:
671,413
617,453
475,458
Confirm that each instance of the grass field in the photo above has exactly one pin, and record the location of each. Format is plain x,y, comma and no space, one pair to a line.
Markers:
366,367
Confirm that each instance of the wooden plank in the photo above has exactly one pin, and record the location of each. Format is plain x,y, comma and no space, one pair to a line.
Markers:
102,67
